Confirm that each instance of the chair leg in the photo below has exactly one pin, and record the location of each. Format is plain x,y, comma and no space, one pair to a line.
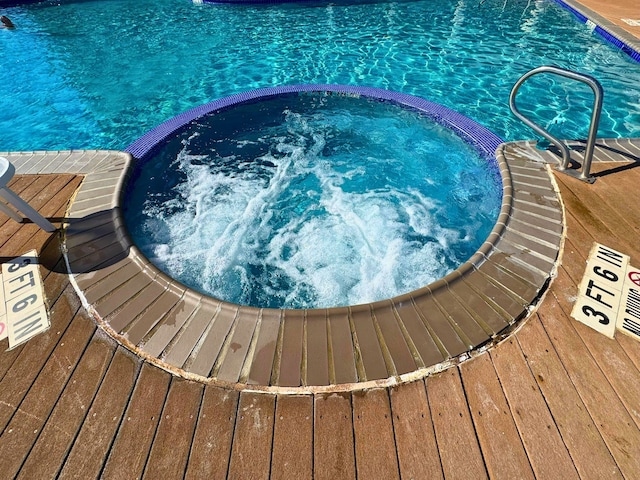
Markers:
10,213
26,209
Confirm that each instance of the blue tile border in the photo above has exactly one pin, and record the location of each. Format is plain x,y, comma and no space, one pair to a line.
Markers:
600,30
485,141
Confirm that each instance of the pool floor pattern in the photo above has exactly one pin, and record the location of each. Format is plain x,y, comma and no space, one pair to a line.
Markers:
340,348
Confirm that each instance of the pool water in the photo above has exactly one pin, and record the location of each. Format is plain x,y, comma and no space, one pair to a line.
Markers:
312,200
98,74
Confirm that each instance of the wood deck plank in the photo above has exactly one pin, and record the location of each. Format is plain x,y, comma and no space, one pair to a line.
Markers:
91,446
65,412
9,226
375,448
7,357
495,427
253,437
172,442
130,449
292,455
630,347
458,445
605,407
67,345
415,438
40,399
211,446
574,262
577,428
54,208
54,276
50,259
333,444
540,436
614,188
622,374
600,220
41,190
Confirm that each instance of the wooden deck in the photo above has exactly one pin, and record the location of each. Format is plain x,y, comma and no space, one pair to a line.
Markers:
554,400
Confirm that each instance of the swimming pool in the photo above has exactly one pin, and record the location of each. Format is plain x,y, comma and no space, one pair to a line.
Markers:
313,196
99,74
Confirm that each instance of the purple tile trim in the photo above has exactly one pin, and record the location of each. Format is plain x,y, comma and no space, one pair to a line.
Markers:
472,132
608,36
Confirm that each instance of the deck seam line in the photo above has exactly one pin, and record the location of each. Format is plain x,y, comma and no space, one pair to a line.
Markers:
432,423
511,411
544,397
473,422
157,426
195,430
88,407
393,431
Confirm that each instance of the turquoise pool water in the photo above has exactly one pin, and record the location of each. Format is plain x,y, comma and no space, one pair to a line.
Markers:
98,74
312,200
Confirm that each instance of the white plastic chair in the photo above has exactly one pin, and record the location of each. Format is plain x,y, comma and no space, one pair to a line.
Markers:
7,171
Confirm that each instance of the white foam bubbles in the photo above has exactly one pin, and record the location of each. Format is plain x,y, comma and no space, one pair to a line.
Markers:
303,215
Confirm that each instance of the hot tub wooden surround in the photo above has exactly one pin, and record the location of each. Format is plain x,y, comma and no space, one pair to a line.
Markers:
337,348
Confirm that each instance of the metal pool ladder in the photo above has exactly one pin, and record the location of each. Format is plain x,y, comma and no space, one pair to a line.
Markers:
584,174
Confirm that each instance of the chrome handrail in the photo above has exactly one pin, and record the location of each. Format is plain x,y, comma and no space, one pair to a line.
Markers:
593,127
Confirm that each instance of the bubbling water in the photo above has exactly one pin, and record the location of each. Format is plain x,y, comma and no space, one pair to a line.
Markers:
324,201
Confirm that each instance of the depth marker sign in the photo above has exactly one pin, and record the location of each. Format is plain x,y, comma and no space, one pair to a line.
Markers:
609,294
22,310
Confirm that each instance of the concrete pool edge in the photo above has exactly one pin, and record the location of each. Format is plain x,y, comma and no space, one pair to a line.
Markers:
388,342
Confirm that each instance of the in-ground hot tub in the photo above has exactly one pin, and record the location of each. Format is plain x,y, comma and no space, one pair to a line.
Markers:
314,196
397,338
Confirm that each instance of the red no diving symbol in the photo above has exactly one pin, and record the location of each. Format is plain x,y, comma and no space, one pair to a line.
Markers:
635,277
